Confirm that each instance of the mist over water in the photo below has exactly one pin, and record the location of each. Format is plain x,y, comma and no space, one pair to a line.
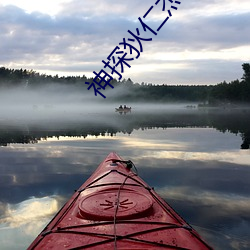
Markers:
48,102
52,139
60,102
56,110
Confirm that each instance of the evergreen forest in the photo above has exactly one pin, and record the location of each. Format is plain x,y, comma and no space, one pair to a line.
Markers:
224,93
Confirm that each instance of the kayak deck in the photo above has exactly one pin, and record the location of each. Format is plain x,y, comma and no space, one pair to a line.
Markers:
116,209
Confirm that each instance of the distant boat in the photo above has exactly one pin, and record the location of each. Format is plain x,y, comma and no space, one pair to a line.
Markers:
125,110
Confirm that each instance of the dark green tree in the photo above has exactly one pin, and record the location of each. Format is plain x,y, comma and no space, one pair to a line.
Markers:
246,69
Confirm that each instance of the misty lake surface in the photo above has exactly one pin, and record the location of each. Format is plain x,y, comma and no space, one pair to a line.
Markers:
198,160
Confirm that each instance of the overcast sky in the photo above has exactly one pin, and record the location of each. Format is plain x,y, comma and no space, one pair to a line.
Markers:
204,42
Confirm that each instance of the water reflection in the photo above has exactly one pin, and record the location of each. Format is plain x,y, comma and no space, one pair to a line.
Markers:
195,166
111,123
20,222
33,209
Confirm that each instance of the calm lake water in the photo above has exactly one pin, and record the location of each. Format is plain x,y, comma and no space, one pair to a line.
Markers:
197,160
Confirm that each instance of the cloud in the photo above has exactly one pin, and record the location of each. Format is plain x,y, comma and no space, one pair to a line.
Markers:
211,33
83,33
229,204
107,8
29,211
26,220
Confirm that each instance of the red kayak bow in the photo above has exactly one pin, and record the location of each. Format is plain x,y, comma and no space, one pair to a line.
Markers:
116,209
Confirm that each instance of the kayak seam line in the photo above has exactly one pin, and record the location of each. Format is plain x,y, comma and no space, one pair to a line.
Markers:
79,192
128,237
110,184
119,236
173,212
114,170
44,233
99,178
119,222
53,227
166,208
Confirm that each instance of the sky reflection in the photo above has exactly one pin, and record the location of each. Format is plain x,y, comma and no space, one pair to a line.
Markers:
199,171
25,219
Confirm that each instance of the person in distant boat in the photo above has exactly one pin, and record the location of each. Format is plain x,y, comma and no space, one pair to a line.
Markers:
125,106
120,107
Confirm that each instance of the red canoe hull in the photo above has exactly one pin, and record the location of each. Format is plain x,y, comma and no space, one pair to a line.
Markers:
116,209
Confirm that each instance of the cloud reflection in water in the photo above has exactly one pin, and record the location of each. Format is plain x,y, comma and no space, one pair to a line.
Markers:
198,171
21,222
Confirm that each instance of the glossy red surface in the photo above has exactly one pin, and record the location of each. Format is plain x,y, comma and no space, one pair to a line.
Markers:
116,209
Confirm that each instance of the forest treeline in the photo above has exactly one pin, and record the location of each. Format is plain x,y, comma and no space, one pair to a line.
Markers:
236,91
232,121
